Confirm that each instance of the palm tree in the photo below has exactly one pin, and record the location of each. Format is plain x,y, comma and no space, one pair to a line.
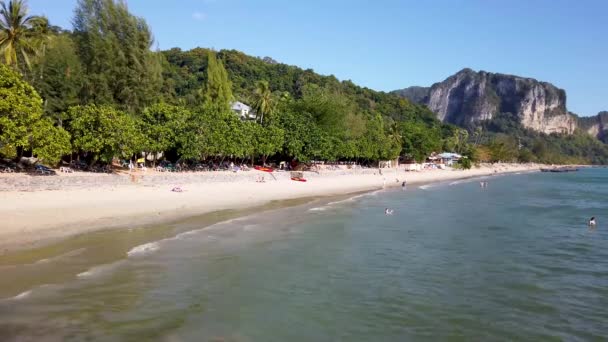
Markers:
21,36
478,134
394,133
264,102
395,138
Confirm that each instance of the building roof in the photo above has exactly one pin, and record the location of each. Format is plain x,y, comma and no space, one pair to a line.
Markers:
447,155
236,105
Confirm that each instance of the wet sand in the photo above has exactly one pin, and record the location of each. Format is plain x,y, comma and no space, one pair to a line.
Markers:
32,219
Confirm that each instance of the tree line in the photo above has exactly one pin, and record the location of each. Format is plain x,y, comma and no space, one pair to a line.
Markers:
99,91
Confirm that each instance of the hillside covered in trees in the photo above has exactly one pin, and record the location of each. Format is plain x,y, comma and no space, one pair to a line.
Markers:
97,91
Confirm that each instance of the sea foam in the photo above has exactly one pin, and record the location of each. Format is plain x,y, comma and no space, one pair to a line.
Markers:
144,249
22,295
98,270
61,256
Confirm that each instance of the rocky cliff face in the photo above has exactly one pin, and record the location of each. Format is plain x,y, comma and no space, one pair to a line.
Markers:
596,126
469,97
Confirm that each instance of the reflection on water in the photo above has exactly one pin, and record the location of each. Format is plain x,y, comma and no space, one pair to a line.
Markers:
509,262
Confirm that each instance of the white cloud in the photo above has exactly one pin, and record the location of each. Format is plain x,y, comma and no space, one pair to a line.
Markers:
199,16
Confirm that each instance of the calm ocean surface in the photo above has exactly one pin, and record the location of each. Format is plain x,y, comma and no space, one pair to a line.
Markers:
515,261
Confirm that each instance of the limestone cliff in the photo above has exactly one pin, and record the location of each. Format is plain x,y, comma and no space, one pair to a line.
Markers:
596,126
469,97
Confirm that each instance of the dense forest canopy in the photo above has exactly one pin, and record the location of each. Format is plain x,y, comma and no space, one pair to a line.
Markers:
100,92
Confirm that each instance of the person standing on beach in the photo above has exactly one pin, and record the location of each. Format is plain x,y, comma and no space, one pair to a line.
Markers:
403,185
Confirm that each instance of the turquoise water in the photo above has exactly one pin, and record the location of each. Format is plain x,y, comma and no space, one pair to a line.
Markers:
514,261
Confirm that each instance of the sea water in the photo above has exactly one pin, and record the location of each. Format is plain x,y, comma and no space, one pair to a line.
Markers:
513,261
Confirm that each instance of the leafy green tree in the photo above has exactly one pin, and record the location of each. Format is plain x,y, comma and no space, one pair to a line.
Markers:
465,163
104,132
328,109
49,143
58,77
472,153
235,135
22,126
268,141
114,48
503,148
525,156
298,128
162,125
419,141
190,142
21,36
321,145
213,133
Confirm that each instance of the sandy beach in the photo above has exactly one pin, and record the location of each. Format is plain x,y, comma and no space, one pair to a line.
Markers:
33,217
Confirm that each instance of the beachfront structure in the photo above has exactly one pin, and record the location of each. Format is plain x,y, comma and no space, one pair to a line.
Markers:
449,158
242,110
413,166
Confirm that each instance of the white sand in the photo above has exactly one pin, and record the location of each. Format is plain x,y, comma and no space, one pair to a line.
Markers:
31,218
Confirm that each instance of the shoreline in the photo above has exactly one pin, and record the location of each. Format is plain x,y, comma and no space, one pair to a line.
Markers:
37,218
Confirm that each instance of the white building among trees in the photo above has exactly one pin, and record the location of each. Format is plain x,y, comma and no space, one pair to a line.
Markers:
242,110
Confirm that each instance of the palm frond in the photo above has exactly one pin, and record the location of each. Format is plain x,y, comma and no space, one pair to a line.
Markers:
21,34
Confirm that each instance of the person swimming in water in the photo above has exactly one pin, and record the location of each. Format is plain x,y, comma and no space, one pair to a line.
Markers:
592,222
403,185
388,211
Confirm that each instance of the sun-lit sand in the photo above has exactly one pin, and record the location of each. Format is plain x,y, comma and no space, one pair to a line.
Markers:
29,218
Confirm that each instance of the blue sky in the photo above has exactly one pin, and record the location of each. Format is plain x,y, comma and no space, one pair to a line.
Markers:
391,44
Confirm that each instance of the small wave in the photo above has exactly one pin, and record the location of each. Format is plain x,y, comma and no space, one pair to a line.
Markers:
457,182
468,180
318,209
22,295
427,186
144,249
373,193
97,270
61,256
355,197
185,234
250,227
340,202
